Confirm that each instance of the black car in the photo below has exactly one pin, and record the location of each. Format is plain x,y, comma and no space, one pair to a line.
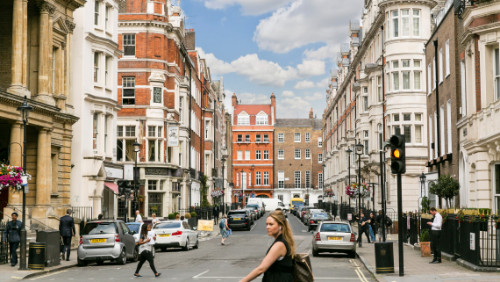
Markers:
256,210
316,218
239,219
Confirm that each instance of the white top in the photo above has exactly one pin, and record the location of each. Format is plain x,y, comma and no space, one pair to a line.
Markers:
138,218
151,237
155,220
437,222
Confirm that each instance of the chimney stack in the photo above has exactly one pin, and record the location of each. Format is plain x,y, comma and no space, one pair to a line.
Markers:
311,114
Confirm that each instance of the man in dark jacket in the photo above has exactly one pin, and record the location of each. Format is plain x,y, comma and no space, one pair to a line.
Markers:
66,230
216,214
13,235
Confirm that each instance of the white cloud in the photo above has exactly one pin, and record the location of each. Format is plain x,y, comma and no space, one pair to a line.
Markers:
293,107
326,52
261,71
288,93
314,97
304,84
248,7
323,83
304,22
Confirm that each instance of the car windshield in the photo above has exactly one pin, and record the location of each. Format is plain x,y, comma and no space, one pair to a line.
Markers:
335,227
238,214
168,225
253,207
133,227
320,215
94,228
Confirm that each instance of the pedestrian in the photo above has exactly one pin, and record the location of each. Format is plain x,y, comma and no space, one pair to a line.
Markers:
12,234
66,231
216,214
138,217
437,222
224,229
146,245
363,228
277,265
154,219
380,231
372,227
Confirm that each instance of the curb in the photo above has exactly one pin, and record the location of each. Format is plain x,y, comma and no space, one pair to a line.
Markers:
476,268
48,271
365,264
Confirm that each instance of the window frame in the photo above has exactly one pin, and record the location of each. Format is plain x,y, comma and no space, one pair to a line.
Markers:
128,83
129,44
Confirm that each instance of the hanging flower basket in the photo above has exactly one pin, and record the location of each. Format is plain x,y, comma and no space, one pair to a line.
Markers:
11,177
217,193
329,192
354,190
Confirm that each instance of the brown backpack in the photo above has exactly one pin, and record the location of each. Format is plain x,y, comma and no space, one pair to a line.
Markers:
302,270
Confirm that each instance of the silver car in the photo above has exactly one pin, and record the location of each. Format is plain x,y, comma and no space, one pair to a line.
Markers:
106,240
334,236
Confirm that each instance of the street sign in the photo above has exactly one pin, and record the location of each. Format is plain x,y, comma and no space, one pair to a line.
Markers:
349,216
472,241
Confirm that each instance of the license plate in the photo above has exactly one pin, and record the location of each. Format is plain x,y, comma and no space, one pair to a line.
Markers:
236,218
97,241
164,235
335,238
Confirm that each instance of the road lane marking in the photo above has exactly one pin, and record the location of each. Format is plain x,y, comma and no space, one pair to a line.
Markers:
197,276
47,275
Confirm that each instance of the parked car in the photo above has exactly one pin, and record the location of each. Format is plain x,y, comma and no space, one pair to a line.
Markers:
334,236
136,227
237,219
259,202
106,240
303,211
253,214
258,212
308,213
316,218
176,234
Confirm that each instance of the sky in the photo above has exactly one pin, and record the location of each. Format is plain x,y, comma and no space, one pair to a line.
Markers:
285,47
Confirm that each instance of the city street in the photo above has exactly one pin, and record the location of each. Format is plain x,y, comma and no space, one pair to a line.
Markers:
214,262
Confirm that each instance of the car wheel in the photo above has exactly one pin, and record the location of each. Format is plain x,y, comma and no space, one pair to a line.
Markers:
196,246
136,255
352,254
122,259
186,247
315,253
164,249
81,262
99,262
249,228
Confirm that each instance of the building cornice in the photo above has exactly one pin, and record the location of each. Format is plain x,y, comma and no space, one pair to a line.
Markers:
108,43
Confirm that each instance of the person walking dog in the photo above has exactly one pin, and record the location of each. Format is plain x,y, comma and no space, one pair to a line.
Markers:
12,234
146,245
66,230
277,265
436,224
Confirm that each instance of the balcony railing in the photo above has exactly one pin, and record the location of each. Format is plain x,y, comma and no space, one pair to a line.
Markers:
301,186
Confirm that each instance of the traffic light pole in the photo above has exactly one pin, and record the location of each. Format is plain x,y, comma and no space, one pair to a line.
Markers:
400,228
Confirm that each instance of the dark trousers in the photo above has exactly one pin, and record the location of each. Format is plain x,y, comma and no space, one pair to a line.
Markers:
435,245
361,230
216,219
146,256
66,246
13,252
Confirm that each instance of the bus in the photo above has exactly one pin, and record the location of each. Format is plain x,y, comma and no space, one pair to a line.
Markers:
296,202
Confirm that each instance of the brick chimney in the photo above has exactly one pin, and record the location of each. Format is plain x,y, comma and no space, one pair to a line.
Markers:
189,39
234,100
273,108
311,114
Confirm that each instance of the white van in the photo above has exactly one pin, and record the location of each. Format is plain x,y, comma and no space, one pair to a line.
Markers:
272,204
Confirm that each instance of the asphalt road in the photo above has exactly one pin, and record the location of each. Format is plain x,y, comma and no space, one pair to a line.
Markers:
243,251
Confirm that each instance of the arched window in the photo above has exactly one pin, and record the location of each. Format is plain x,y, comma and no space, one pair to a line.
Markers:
262,119
243,119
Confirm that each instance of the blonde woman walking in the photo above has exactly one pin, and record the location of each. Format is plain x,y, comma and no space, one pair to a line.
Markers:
224,229
277,265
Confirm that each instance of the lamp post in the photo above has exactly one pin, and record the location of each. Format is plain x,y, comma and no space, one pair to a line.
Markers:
359,152
323,183
223,160
349,151
422,185
25,109
242,189
137,148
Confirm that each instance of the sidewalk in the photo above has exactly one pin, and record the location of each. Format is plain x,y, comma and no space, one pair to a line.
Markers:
10,273
417,268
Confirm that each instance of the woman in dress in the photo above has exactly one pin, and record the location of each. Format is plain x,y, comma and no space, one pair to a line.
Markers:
224,229
145,251
277,265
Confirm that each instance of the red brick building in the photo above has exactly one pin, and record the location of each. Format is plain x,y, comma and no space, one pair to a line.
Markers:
252,157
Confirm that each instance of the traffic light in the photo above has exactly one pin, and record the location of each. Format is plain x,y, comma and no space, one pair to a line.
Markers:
123,187
398,159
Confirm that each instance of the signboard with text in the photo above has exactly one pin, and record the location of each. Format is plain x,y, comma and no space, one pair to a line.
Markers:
205,225
173,136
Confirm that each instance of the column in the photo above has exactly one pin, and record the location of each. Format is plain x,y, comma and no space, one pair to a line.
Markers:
15,158
44,54
43,167
19,48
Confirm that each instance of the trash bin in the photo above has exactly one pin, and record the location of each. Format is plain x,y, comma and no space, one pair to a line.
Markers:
36,259
52,241
384,257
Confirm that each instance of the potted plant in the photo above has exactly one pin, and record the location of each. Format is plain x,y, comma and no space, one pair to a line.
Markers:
425,243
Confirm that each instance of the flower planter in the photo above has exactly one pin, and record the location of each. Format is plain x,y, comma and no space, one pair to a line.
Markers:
425,249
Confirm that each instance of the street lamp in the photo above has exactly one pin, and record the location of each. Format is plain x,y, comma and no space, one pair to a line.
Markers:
359,152
25,110
137,148
349,151
223,160
422,185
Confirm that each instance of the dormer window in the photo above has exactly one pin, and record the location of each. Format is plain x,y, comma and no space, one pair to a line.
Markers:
262,119
243,119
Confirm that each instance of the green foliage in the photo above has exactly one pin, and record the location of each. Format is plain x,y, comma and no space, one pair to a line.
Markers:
193,214
171,216
425,236
446,187
426,203
204,192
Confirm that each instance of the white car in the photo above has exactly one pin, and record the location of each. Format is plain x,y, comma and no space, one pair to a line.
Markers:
175,233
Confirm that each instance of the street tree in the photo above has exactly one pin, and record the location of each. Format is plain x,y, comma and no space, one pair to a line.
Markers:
446,188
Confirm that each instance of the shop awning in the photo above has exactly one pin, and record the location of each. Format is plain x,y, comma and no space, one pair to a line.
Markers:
112,186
